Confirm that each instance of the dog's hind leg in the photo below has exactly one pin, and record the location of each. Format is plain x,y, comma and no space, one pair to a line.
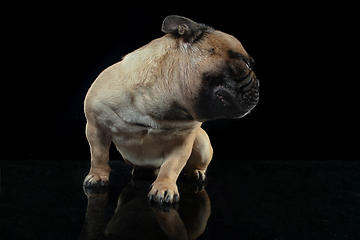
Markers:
99,142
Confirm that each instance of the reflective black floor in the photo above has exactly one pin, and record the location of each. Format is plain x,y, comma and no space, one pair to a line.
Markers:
242,200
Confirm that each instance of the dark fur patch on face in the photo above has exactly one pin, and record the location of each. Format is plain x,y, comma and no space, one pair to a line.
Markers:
249,61
216,99
229,93
234,54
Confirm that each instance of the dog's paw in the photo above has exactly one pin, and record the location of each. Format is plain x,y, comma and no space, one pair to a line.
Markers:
197,175
96,180
164,192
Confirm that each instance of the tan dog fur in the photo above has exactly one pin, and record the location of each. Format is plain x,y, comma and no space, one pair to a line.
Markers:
144,105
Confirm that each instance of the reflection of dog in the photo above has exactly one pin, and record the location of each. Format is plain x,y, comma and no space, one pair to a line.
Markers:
134,218
152,104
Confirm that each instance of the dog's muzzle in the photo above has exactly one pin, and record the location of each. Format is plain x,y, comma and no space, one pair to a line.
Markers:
249,94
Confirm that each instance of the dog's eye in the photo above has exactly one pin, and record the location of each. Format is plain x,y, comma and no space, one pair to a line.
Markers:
247,65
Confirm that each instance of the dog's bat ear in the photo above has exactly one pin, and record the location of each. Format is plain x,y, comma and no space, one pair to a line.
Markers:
174,23
182,26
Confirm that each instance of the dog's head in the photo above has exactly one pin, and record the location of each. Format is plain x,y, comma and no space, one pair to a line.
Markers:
228,86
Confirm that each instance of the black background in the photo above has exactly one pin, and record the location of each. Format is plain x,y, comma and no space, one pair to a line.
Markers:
307,61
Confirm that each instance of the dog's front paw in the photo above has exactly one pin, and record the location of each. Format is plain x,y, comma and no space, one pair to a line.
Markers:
96,180
164,192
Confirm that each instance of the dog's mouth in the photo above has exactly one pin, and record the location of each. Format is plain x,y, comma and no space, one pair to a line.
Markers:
223,96
239,102
227,100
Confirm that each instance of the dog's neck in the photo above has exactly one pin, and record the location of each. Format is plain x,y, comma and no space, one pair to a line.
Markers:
170,65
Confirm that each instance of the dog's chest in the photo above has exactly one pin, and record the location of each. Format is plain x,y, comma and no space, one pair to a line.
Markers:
143,148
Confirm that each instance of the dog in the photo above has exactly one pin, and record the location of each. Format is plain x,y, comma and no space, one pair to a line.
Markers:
152,103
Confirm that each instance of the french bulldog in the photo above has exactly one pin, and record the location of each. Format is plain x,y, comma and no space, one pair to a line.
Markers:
152,103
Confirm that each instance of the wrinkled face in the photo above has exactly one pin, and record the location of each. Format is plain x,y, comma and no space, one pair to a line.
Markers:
230,88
